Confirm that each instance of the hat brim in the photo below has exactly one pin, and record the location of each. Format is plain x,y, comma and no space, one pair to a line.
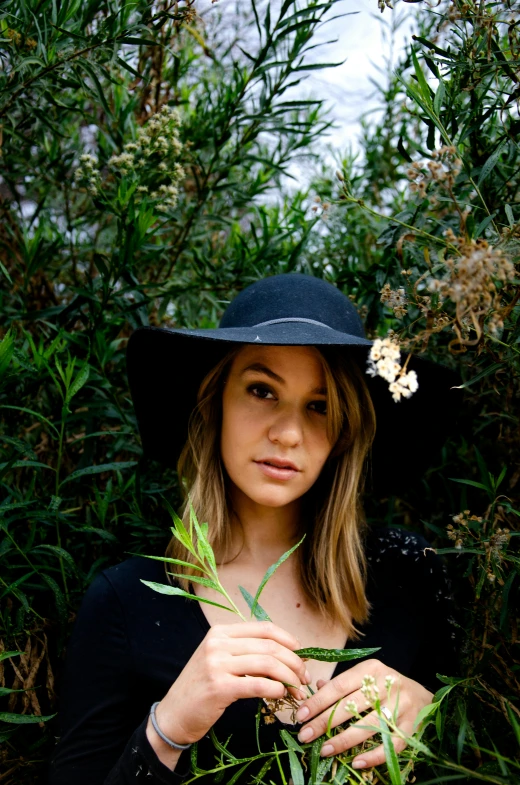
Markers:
166,366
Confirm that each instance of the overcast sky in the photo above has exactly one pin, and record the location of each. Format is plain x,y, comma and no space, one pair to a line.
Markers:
365,41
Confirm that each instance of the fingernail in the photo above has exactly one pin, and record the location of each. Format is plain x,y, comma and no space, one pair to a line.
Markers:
302,713
359,764
306,734
327,749
308,677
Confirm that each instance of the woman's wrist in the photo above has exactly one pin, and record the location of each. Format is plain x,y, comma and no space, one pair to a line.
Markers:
166,754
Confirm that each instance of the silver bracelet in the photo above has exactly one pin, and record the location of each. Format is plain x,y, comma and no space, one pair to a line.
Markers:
161,734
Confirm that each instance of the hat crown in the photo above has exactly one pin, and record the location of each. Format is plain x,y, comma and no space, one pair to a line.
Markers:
293,296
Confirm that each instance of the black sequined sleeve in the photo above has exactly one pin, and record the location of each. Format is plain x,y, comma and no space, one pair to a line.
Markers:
411,586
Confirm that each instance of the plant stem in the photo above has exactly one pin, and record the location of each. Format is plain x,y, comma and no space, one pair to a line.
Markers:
361,203
57,488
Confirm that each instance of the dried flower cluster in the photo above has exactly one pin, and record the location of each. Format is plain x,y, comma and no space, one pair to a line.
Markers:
462,519
278,704
88,173
155,150
382,4
385,361
324,208
470,283
497,541
465,536
395,299
442,170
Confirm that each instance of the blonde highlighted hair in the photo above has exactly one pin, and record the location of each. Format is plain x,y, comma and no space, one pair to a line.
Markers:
332,561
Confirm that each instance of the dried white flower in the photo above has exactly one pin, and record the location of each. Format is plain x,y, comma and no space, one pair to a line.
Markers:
384,361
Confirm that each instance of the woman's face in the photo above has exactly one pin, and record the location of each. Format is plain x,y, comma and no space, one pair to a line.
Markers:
274,426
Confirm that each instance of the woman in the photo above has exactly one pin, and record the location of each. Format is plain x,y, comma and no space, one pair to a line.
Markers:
281,418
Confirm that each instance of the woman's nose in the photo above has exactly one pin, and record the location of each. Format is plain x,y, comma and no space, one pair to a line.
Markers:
286,429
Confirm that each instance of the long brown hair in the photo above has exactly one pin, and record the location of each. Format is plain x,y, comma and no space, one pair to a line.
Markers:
332,562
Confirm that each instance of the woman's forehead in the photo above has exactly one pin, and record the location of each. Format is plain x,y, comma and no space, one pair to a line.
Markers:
283,360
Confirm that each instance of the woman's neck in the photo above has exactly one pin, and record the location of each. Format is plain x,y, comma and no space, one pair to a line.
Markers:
261,534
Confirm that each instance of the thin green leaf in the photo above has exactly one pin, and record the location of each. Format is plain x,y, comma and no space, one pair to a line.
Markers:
26,465
4,270
221,747
239,773
256,610
471,482
290,742
59,552
6,351
421,79
169,560
324,766
8,691
315,759
271,570
102,467
163,588
129,68
335,655
483,225
392,761
5,654
505,598
514,722
24,719
439,97
61,603
179,530
296,768
486,372
491,163
208,582
80,380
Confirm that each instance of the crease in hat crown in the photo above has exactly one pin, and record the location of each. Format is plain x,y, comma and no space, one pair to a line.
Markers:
293,297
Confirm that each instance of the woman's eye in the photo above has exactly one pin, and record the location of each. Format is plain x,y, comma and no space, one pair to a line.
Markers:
319,406
260,391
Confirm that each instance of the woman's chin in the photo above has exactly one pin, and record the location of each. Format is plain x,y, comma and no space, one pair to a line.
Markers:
272,497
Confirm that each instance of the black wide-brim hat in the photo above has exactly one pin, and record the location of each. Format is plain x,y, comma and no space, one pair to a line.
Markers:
166,366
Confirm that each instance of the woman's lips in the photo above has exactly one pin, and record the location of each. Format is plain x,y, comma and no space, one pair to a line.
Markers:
276,472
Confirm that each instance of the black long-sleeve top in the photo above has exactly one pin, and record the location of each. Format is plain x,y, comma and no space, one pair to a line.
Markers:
130,643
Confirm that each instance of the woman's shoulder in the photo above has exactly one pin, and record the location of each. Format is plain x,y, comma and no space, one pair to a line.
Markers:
122,584
133,569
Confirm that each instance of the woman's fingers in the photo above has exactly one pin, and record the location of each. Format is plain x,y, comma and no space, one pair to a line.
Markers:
257,629
258,646
258,687
265,665
319,724
355,734
327,695
376,756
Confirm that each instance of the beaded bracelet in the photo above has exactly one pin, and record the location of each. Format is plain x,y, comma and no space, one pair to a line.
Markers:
161,734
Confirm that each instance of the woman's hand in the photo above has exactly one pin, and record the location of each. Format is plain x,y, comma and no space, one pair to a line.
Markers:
242,660
348,686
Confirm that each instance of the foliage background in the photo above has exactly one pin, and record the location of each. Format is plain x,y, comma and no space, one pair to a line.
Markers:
84,260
